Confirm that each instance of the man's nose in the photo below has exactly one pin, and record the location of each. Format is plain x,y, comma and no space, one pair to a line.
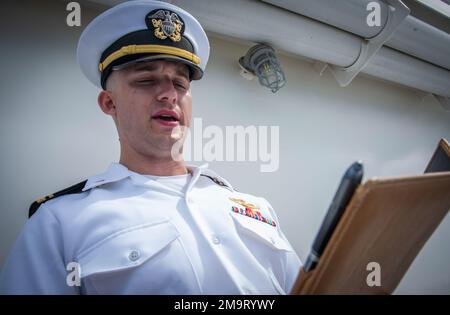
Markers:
168,93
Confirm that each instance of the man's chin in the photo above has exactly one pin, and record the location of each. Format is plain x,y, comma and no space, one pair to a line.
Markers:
167,146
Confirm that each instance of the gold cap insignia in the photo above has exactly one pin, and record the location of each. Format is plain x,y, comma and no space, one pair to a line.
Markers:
166,25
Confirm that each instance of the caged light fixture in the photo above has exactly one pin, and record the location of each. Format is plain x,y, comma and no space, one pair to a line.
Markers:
260,61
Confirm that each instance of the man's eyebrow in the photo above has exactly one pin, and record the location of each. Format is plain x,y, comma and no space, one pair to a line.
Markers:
182,70
145,67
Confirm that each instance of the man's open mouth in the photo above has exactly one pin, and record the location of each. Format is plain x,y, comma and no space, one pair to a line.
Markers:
167,117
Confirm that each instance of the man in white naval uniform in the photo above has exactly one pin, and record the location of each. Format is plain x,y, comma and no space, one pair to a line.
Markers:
149,224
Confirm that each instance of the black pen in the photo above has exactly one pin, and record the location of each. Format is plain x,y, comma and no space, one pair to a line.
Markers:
350,181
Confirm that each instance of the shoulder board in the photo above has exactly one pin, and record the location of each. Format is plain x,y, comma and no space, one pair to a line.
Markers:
75,189
216,180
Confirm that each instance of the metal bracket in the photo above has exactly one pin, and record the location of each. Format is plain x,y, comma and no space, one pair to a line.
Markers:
397,12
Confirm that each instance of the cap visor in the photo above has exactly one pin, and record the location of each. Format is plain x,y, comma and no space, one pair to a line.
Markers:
195,71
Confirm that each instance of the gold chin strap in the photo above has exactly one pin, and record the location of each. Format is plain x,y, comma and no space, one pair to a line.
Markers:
141,49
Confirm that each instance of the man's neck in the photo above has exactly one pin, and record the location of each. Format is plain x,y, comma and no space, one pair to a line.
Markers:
153,166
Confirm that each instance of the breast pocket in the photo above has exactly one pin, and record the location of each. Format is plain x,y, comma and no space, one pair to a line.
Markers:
267,246
144,259
260,232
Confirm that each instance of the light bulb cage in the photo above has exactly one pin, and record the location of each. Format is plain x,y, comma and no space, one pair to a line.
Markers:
261,61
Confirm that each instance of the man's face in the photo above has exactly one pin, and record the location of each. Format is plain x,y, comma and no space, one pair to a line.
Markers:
150,100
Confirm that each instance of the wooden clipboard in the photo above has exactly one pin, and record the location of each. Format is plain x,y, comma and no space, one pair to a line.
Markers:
387,222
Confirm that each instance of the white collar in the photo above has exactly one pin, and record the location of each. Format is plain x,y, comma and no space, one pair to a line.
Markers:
117,172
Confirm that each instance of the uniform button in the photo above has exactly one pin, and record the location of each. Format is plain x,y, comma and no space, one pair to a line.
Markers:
134,255
190,200
216,240
272,240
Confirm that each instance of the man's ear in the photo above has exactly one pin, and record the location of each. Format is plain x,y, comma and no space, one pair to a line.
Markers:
106,102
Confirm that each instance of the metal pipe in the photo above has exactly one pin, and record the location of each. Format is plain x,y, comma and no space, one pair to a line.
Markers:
413,36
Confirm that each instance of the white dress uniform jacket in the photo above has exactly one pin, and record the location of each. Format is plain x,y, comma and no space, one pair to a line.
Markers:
131,234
